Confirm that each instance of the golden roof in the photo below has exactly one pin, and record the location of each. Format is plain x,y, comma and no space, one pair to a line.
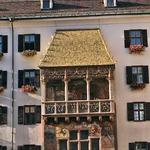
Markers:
77,48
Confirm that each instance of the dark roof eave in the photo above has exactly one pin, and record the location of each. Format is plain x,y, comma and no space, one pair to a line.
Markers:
81,14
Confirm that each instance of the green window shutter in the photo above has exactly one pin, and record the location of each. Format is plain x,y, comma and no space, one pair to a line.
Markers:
20,115
129,74
145,74
37,42
4,77
4,111
145,41
20,43
131,146
130,112
4,43
38,114
20,78
126,38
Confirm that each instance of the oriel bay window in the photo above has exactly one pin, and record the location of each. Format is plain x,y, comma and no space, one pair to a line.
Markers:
55,90
99,88
79,140
137,75
138,111
77,89
29,114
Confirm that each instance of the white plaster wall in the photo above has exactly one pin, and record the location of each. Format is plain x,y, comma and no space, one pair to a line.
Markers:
112,29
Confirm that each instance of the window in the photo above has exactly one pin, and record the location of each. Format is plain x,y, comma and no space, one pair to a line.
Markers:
46,4
3,79
137,75
135,37
3,43
110,3
29,147
29,77
3,147
28,42
139,146
29,114
3,115
138,111
79,140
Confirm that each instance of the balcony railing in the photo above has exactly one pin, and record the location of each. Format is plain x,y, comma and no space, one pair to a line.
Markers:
77,107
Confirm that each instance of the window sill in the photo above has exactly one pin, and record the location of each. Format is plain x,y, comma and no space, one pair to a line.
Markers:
137,86
28,89
29,53
136,48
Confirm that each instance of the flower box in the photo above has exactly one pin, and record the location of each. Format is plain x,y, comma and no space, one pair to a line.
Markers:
28,89
136,48
138,86
29,52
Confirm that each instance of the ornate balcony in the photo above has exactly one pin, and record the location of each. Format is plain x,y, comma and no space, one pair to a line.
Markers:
79,107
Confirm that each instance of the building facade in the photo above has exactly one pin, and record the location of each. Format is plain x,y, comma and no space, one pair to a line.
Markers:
74,75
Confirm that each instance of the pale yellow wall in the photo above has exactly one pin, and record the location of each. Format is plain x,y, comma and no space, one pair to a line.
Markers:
113,31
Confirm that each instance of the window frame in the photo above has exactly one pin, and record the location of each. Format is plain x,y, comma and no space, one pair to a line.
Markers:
31,81
130,77
139,110
29,42
29,118
127,38
21,42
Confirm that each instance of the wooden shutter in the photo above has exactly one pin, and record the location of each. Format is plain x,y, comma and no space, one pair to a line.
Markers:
145,74
37,42
20,78
37,74
4,77
20,115
38,114
4,112
129,74
147,111
4,43
20,43
38,147
144,34
130,112
127,38
20,148
131,146
4,148
148,145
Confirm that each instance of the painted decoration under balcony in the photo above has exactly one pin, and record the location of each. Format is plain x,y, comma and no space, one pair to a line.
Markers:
1,54
138,86
136,48
29,52
1,89
28,89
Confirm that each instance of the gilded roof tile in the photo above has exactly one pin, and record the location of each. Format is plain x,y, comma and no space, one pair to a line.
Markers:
77,48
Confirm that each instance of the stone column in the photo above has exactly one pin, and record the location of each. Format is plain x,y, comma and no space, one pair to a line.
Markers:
110,81
43,99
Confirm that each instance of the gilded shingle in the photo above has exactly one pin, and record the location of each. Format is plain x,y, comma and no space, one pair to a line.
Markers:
77,48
